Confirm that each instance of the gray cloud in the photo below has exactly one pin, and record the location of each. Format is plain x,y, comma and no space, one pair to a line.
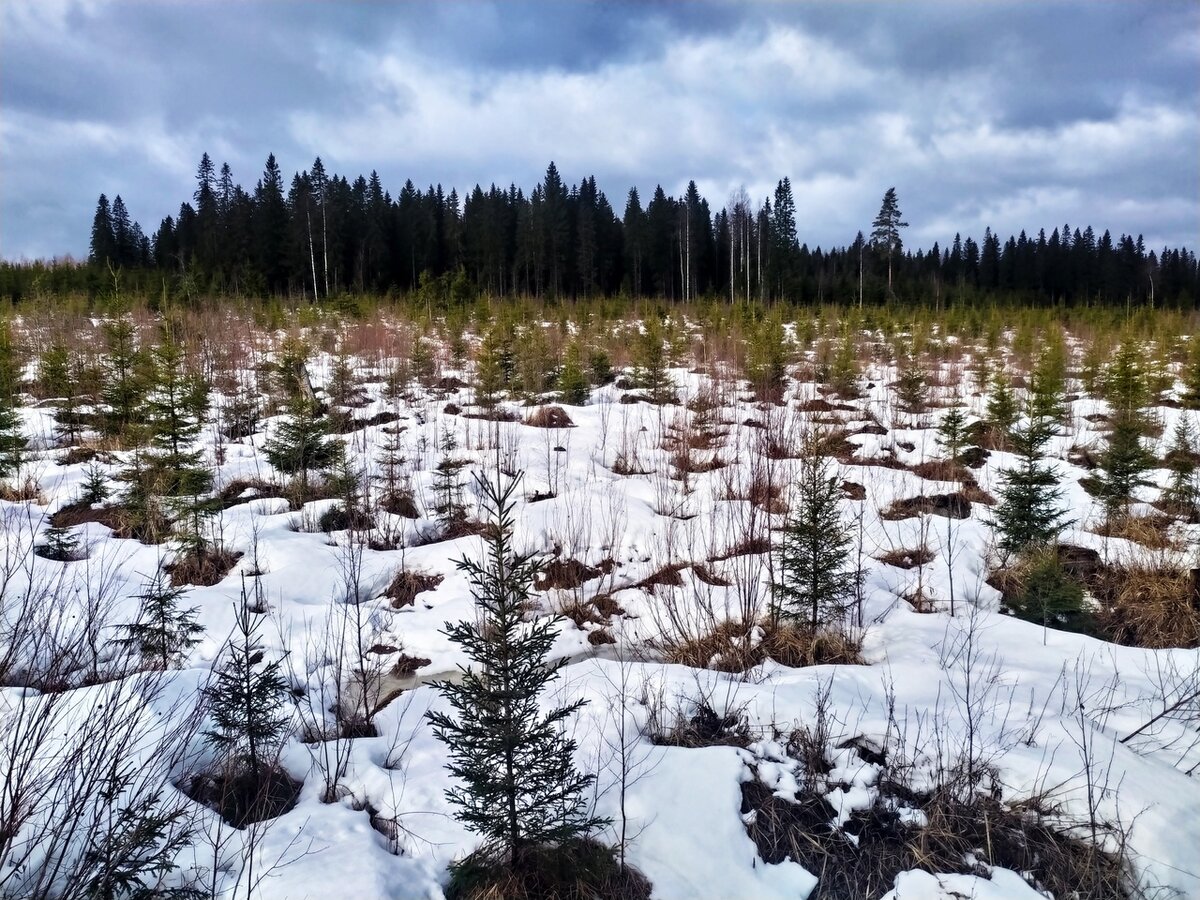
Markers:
1009,115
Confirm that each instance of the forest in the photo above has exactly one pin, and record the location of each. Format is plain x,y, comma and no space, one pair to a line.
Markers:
322,235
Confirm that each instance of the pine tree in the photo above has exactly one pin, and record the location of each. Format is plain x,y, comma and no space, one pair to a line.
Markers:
519,788
813,584
246,697
885,230
103,247
1029,514
163,633
95,486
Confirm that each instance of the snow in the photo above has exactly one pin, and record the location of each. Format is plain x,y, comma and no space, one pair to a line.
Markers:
691,840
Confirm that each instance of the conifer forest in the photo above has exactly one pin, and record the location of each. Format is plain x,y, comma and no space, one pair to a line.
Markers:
790,491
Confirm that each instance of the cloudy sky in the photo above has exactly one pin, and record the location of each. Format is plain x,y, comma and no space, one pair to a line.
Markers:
1016,115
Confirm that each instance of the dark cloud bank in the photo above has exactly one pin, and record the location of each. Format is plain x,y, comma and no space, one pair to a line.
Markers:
1015,116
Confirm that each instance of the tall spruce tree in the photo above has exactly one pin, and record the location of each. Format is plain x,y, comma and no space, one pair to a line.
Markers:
519,787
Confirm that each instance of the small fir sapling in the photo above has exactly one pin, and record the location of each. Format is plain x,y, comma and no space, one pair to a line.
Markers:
59,544
573,386
1029,514
246,697
163,632
813,583
301,444
1182,495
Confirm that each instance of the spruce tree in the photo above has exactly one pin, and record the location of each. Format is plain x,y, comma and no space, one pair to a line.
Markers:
519,788
12,441
1029,514
173,414
650,361
813,585
573,387
301,444
1048,595
246,697
1002,409
1125,460
60,544
123,376
766,359
448,487
1182,495
163,632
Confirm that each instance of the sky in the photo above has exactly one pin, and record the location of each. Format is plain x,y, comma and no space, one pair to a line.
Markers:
1009,115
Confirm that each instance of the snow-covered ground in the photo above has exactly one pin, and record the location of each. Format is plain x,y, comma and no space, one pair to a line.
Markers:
1017,693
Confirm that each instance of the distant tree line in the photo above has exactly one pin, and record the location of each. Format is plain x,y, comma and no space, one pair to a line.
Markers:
323,235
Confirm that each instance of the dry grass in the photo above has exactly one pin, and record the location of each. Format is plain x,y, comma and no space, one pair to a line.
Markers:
903,558
206,567
735,647
581,869
1153,605
549,417
1152,531
407,584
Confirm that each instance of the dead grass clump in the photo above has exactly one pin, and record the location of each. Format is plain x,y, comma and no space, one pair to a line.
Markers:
709,577
607,606
565,574
728,647
400,503
1153,531
796,646
549,417
243,490
406,665
903,558
579,868
1153,605
80,513
852,490
692,464
705,728
953,506
204,567
763,493
625,465
941,470
751,546
667,576
934,832
406,585
600,636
